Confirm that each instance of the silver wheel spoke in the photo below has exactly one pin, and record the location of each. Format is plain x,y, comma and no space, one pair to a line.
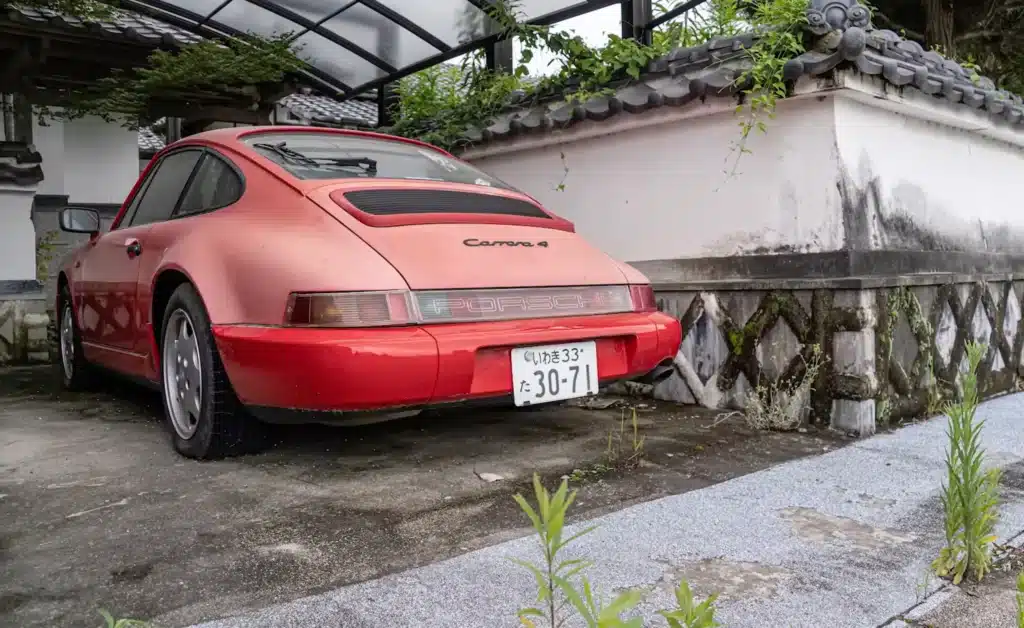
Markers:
182,374
67,341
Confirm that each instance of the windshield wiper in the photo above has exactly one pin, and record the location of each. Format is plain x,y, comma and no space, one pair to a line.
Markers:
288,153
281,148
367,164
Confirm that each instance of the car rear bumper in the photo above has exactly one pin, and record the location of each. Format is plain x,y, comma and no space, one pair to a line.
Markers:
332,370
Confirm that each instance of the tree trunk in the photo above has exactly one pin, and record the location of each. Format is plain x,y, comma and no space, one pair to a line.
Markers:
938,32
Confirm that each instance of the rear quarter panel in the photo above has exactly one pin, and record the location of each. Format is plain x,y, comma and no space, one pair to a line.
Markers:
245,259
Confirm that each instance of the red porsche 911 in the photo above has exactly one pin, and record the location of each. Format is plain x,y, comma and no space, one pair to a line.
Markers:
293,274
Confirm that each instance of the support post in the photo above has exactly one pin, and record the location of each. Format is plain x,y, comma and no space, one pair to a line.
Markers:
499,56
626,19
642,13
387,102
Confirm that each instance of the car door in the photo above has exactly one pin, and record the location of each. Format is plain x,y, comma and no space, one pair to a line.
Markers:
216,183
110,266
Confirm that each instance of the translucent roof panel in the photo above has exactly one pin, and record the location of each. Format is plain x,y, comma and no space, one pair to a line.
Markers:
353,46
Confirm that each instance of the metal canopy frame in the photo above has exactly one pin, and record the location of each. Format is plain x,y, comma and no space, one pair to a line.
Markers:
354,46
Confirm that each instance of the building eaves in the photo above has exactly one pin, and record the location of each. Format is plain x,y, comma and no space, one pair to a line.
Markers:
20,164
842,37
122,26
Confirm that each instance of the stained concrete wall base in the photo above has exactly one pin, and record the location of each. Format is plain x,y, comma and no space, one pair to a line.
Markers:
24,329
889,353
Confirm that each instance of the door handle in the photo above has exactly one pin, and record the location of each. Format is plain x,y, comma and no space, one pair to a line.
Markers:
133,247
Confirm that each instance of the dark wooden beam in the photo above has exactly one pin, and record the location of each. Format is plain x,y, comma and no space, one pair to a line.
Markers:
208,114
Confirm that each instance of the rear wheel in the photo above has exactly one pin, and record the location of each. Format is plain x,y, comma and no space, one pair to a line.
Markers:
205,417
74,372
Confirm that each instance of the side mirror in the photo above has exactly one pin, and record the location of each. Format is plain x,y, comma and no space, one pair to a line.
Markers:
80,220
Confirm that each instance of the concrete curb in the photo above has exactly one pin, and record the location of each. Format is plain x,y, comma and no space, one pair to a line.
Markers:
937,597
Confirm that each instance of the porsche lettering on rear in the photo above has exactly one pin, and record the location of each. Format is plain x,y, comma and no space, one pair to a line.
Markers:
477,242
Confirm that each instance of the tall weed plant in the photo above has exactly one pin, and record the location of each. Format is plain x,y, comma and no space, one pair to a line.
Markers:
563,589
1020,600
970,495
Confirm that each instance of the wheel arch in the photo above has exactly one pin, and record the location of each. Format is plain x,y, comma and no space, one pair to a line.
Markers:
164,284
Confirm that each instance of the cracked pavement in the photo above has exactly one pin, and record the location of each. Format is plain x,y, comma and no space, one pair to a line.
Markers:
843,539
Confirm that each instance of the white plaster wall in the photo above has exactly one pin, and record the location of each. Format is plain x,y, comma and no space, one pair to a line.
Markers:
101,161
17,234
943,184
48,139
664,191
88,159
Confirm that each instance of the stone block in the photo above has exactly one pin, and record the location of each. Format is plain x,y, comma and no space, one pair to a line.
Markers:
854,416
853,352
23,331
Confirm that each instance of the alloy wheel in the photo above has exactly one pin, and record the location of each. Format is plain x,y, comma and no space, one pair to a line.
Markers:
67,342
182,374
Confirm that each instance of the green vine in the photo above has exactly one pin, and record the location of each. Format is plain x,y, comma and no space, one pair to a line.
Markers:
216,70
209,71
46,251
439,105
86,10
781,26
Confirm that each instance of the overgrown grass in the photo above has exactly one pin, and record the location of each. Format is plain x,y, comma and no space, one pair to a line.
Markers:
563,589
782,405
970,495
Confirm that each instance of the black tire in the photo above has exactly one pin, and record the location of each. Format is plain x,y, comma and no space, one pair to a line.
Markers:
74,374
223,426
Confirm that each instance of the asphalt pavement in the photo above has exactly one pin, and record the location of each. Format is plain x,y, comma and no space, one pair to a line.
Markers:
843,539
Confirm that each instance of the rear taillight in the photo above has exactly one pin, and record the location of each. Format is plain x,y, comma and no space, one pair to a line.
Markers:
350,309
397,307
642,296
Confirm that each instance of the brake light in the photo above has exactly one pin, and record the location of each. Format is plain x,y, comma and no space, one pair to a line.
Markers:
399,307
642,296
349,309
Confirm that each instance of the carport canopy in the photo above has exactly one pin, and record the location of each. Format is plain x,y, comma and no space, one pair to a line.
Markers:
353,46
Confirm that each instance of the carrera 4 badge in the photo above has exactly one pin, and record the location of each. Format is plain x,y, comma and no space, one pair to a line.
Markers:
476,242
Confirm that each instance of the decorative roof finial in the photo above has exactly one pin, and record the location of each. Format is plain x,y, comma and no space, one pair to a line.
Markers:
824,16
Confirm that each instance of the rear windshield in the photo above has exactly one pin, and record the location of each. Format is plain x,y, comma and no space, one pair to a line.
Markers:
337,156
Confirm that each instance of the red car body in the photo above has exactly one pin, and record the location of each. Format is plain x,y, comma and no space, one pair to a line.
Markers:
252,261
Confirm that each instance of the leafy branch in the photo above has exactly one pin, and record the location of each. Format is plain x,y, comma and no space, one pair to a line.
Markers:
781,38
233,69
206,71
440,104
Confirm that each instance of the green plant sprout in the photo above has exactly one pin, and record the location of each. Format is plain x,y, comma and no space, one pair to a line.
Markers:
111,622
970,496
557,593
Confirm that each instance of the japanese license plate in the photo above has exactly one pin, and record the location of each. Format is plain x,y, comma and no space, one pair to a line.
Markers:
554,372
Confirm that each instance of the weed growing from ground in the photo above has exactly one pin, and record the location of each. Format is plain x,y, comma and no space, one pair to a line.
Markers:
1020,600
110,622
625,449
782,404
970,496
690,614
557,592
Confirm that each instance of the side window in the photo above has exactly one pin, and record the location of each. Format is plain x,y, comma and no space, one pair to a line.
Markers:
133,206
164,189
215,185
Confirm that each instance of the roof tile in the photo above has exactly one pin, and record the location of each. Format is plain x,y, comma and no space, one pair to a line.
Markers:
121,25
327,110
846,40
